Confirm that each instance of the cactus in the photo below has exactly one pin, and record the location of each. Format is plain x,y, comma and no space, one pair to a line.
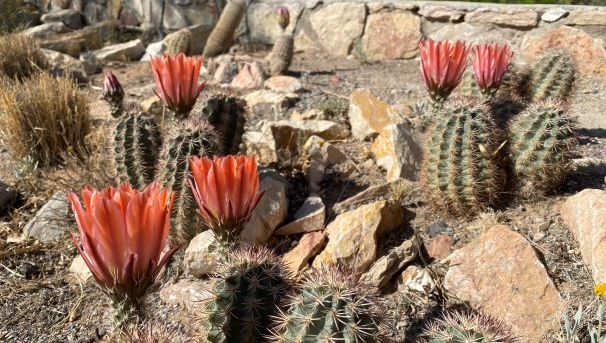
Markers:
332,306
178,42
541,143
222,36
551,77
226,112
510,86
467,326
246,296
137,144
506,107
281,54
190,138
463,170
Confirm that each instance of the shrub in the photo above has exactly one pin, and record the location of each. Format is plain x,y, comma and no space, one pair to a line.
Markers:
16,15
20,56
43,118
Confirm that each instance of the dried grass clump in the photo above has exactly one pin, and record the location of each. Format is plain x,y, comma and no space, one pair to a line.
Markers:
17,15
20,56
44,118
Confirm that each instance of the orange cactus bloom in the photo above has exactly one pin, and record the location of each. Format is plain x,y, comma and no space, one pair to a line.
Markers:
226,190
442,66
177,82
490,62
122,234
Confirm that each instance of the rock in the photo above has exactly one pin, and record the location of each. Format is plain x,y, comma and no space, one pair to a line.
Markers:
475,33
439,247
90,64
370,194
223,68
582,17
553,14
353,236
309,217
50,222
200,256
585,215
264,101
309,246
308,115
261,143
391,35
187,293
367,114
129,51
505,16
383,270
581,45
500,273
397,150
176,15
47,29
155,49
263,24
438,227
65,65
270,212
439,12
289,134
78,271
69,17
416,279
8,197
249,77
87,39
283,84
319,155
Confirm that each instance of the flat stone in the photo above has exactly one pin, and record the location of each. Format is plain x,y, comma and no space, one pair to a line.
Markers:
416,279
283,84
263,101
439,247
129,51
397,150
249,77
320,155
475,33
50,222
500,273
585,215
78,271
309,246
353,236
47,29
261,143
155,49
553,14
263,23
309,217
391,35
505,16
87,39
187,293
200,257
288,134
439,12
69,17
584,17
65,65
383,270
367,114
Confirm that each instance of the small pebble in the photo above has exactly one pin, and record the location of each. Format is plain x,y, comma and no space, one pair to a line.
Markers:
538,236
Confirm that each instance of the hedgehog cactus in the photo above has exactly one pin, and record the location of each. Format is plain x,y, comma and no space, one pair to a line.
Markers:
467,326
246,296
191,138
226,112
331,306
541,143
179,42
222,36
463,172
282,51
113,94
551,77
442,66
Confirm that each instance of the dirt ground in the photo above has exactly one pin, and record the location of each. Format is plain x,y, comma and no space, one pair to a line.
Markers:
38,305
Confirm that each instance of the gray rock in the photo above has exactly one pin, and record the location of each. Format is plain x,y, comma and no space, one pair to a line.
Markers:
309,217
383,270
263,102
65,65
69,17
261,143
129,51
200,256
398,151
188,293
153,50
50,222
47,29
553,14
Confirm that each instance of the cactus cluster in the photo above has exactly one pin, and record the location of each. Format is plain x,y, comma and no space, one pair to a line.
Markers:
551,77
468,326
226,112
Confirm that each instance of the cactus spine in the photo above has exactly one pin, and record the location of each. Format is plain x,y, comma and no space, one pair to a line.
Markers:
246,296
222,35
542,141
178,42
191,138
226,112
464,327
331,306
137,144
462,169
551,77
510,86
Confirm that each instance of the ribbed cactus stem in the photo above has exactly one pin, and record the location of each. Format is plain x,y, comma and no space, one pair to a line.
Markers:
226,112
281,54
179,42
552,77
125,310
468,326
222,36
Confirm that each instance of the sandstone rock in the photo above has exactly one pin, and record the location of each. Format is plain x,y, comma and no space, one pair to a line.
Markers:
78,271
416,279
283,84
512,17
200,256
397,150
383,270
353,236
90,64
262,21
367,114
309,246
177,14
439,12
249,77
153,50
65,65
87,39
500,273
319,155
582,17
264,101
391,35
8,197
69,17
309,217
129,51
223,68
290,134
50,222
475,33
47,29
270,212
580,44
439,247
261,143
307,115
553,14
585,215
187,293
370,194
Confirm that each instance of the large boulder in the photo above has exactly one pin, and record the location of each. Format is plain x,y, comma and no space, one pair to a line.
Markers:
391,35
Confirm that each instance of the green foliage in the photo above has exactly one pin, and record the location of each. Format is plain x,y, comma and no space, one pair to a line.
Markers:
226,112
551,77
466,327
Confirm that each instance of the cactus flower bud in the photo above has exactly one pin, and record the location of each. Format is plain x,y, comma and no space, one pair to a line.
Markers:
283,16
112,89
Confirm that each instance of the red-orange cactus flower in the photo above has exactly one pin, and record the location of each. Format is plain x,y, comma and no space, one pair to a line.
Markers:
226,190
122,235
442,66
490,62
177,82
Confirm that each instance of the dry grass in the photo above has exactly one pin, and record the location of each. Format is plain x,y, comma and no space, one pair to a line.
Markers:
44,118
20,56
16,15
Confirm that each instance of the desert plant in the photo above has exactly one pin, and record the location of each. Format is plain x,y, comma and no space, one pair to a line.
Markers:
222,36
463,172
551,77
43,118
20,56
179,42
226,112
282,51
331,305
468,326
137,145
113,94
442,66
251,284
145,332
16,15
490,62
541,143
122,234
191,138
